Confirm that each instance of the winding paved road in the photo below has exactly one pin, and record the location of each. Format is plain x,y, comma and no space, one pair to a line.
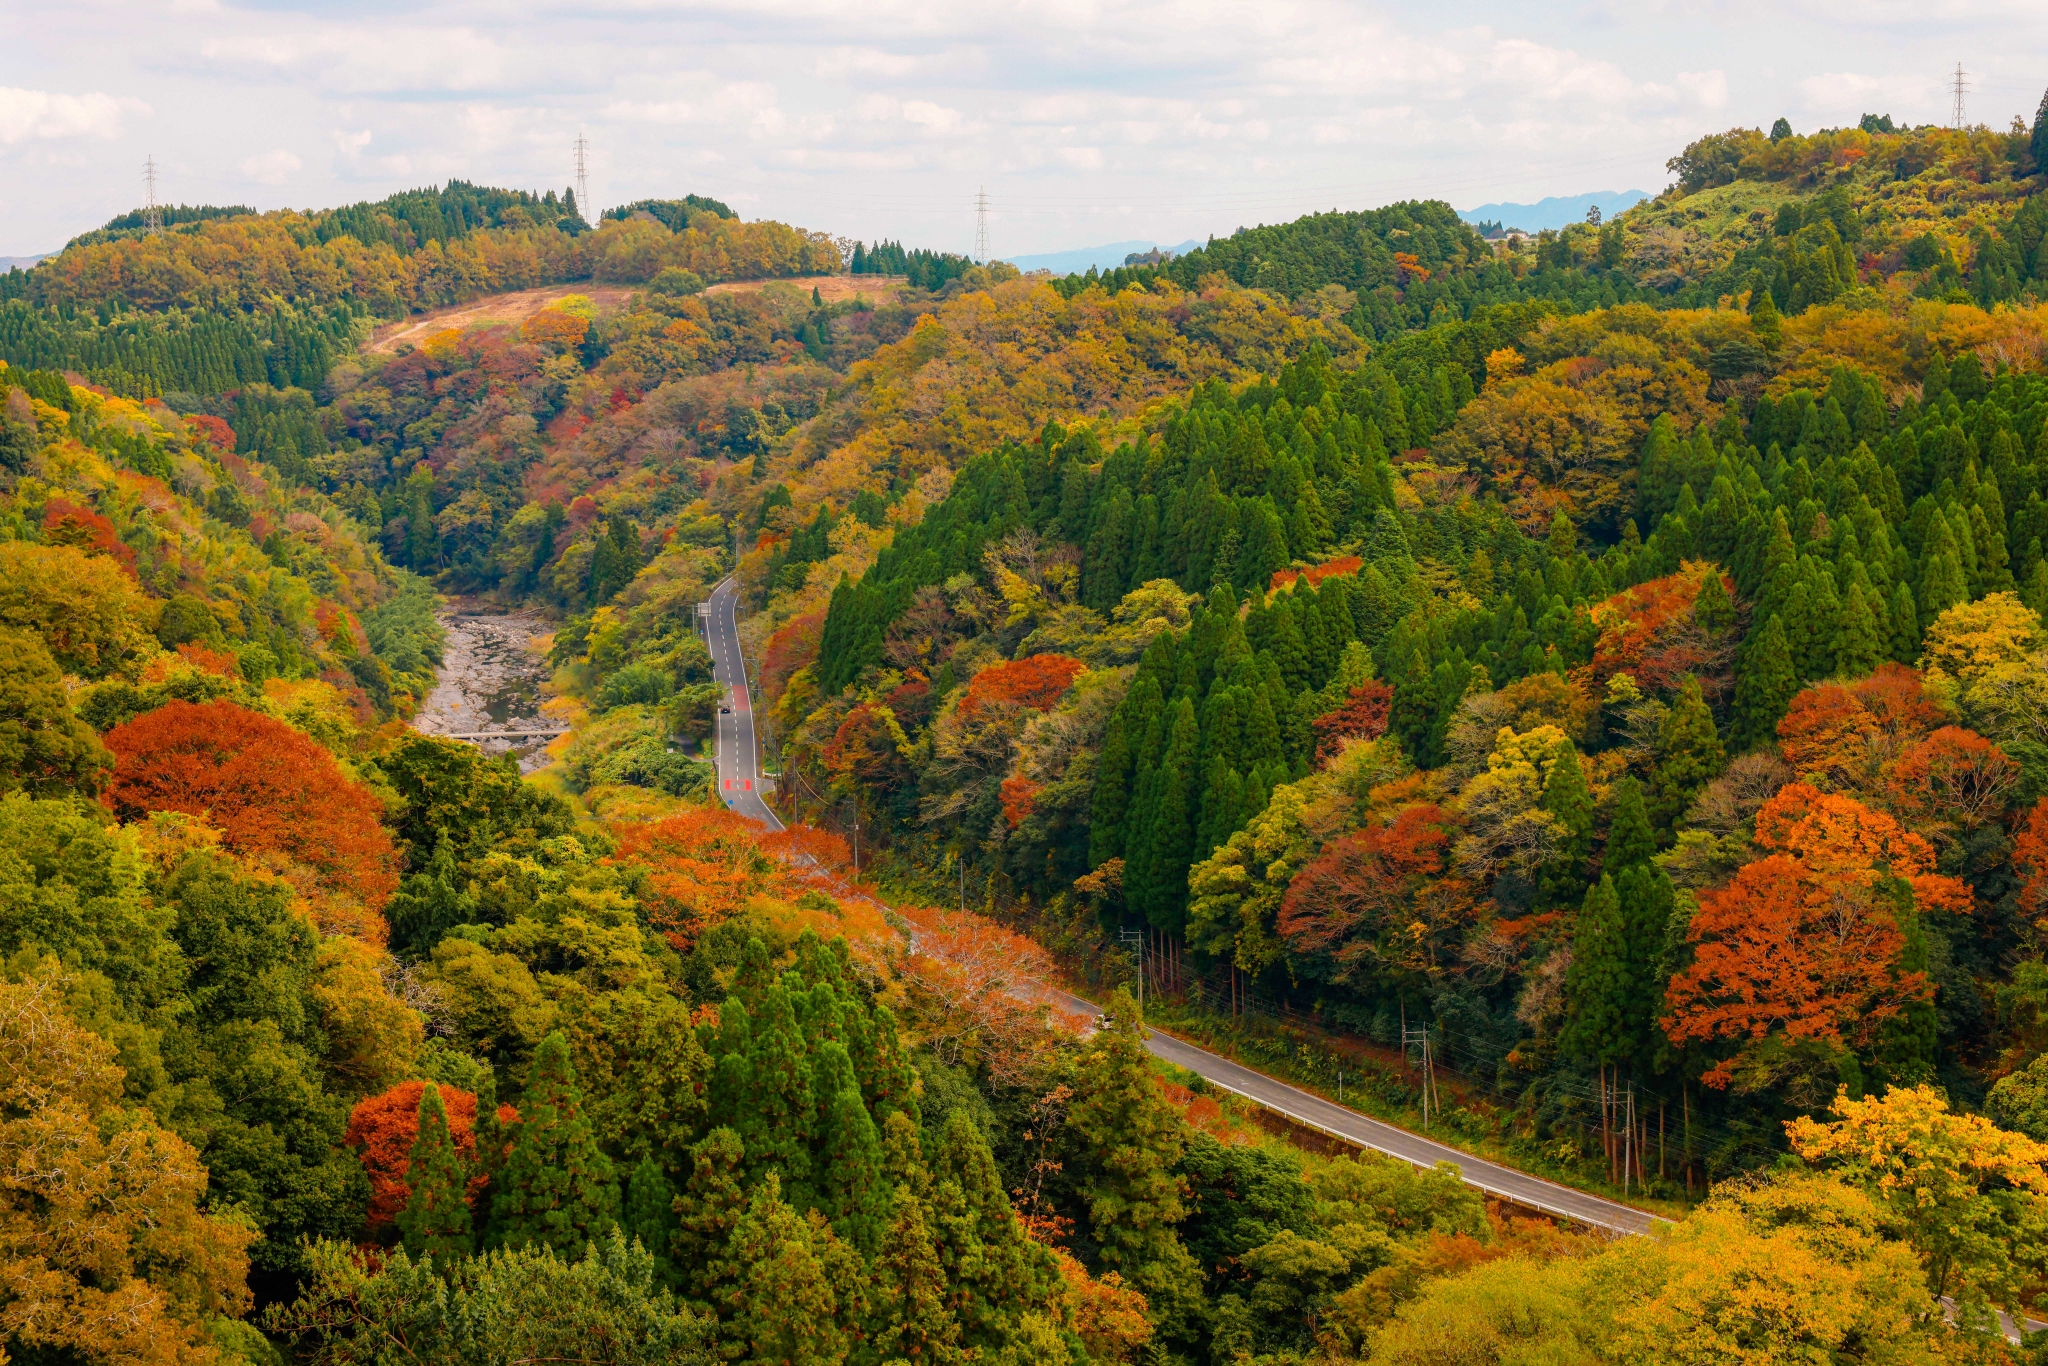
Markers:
739,751
739,782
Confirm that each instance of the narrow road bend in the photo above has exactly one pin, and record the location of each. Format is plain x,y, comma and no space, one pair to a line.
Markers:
739,786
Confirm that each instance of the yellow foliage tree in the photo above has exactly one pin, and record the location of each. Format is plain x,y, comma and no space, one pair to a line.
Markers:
104,1254
1970,1195
86,608
1972,638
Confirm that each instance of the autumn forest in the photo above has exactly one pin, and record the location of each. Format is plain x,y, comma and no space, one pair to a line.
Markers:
1609,664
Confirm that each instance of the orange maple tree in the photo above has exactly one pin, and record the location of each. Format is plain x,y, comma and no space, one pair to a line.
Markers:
793,647
2030,858
1844,736
72,524
265,786
1953,777
696,869
1804,942
1037,683
981,991
1315,574
382,1130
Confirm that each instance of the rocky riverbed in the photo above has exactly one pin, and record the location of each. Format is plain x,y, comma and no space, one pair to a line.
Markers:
490,682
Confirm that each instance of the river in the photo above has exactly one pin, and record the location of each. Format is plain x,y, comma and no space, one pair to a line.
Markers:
490,682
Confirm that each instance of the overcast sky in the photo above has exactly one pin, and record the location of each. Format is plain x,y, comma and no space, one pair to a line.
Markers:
1088,121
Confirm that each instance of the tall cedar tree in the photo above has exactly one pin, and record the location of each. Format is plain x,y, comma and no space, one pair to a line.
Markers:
1764,685
436,1220
1689,754
849,1154
913,1321
1597,986
1130,1142
1570,805
556,1189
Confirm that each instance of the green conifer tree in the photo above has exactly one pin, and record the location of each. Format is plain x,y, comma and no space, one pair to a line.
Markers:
557,1189
848,1160
787,1309
777,1116
995,1273
1712,609
1597,986
650,1215
1689,754
436,1219
1764,685
708,1209
1859,646
888,1080
1565,796
1905,625
1630,840
1125,1145
913,1321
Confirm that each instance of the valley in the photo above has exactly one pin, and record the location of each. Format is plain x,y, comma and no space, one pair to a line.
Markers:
1607,669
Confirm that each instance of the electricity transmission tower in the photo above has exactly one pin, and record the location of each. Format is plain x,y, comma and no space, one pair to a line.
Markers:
583,179
1959,85
152,212
981,225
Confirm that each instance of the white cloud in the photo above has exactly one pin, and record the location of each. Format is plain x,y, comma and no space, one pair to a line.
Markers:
42,114
1707,89
272,168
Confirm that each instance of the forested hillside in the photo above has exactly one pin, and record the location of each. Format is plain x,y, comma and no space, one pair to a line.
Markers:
1619,656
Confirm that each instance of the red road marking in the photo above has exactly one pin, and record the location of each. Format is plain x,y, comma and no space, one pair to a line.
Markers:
728,784
747,785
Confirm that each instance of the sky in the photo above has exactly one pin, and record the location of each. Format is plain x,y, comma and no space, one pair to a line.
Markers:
1085,121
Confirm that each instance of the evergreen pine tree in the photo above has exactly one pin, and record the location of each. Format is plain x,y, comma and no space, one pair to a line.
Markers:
1597,987
1647,899
1563,878
557,1189
786,1307
1172,833
1712,608
912,1320
436,1219
1764,685
776,1117
1629,837
1126,1146
888,1080
1905,625
1689,754
707,1211
1112,794
994,1271
650,1215
1859,647
849,1154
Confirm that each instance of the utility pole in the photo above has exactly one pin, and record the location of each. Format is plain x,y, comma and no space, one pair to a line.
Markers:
1137,937
583,180
152,212
1410,1038
981,225
1959,85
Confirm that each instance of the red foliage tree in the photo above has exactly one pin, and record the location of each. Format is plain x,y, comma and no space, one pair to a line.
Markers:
1037,683
1343,564
863,755
1844,736
1649,631
211,431
69,523
2030,858
1379,898
697,868
263,785
1804,942
1953,777
1019,796
218,662
382,1130
793,647
1364,717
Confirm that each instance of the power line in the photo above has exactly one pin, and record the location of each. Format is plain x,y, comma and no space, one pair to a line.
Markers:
981,225
152,212
583,179
1959,86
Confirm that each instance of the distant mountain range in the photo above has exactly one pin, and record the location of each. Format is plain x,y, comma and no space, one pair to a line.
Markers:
1109,257
1554,212
8,263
